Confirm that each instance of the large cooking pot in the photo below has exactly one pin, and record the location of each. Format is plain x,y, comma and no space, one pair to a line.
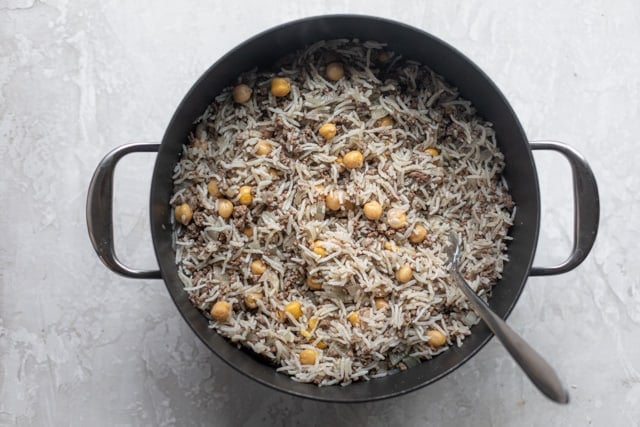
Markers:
262,51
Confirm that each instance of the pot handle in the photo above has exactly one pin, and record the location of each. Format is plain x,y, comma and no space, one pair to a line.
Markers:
586,208
100,211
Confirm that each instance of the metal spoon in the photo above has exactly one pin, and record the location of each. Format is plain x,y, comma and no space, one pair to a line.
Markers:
536,368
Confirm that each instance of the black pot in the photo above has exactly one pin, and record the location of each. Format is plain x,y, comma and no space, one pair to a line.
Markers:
474,85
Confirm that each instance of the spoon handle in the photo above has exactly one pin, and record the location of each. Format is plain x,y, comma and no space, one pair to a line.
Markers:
536,368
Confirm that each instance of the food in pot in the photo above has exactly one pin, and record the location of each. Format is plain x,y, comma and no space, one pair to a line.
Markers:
312,209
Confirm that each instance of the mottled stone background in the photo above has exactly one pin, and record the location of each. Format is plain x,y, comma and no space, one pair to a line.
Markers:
80,345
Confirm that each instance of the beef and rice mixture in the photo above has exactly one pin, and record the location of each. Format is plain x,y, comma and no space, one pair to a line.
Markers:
313,204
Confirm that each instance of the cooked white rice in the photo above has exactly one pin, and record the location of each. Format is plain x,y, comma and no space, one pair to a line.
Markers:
459,189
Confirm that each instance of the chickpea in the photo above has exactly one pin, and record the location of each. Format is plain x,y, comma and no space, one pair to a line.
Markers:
404,273
318,248
436,338
263,148
251,300
380,303
372,210
335,71
258,266
294,308
354,318
321,345
386,121
418,234
390,246
244,195
212,188
225,208
241,93
328,131
353,159
432,151
280,87
332,200
307,357
220,311
396,218
183,213
314,284
313,322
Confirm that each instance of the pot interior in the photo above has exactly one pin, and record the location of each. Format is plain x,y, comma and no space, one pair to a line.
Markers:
262,51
